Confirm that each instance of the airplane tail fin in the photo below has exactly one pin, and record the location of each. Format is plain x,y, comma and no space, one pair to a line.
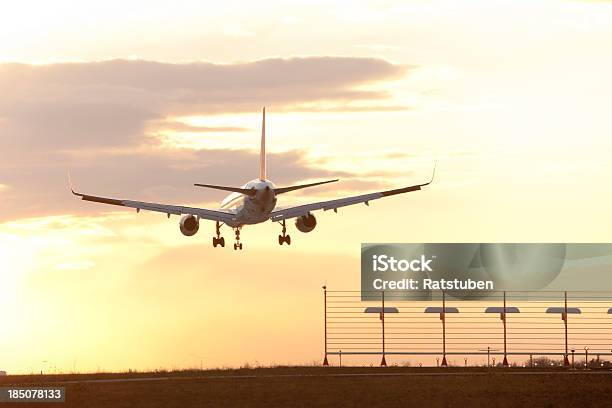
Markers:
262,171
262,149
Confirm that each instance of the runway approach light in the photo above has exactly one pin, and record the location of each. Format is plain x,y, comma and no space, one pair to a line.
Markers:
436,309
561,310
495,309
381,310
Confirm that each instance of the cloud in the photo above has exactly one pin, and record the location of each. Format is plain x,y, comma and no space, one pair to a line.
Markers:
351,108
184,127
100,118
198,87
109,103
158,176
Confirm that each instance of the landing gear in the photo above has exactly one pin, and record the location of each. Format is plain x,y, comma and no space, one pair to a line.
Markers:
218,240
284,237
238,244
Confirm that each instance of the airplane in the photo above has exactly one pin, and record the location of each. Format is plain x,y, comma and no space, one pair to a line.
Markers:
252,203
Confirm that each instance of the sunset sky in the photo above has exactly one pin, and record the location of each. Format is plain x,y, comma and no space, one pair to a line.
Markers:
141,99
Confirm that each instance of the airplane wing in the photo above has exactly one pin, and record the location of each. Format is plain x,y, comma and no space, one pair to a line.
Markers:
300,210
214,215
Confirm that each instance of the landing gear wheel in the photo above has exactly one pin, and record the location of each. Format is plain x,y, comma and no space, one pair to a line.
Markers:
240,246
218,240
235,246
284,238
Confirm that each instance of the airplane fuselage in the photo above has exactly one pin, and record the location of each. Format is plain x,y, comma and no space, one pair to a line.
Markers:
252,209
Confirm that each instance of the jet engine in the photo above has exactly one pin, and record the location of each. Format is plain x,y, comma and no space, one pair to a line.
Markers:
189,225
306,223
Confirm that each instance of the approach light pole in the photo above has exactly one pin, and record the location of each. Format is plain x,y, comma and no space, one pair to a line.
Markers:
442,311
565,362
503,316
381,312
443,318
564,312
325,362
505,363
383,362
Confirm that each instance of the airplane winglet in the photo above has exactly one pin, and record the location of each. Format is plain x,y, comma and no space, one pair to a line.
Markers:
433,174
71,187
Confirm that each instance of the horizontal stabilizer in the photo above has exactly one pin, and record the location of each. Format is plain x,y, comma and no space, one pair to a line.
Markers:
248,192
281,190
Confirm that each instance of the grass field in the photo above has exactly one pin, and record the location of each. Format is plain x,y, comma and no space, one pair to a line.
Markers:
333,387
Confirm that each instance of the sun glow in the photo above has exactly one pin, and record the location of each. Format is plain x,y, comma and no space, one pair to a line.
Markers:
512,99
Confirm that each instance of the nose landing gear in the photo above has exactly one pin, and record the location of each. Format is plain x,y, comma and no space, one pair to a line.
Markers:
218,240
284,237
238,244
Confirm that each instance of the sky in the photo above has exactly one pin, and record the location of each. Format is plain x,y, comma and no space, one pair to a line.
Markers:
140,100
